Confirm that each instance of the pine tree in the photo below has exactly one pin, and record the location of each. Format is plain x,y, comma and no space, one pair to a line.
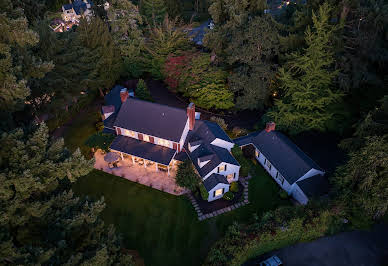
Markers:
142,91
153,11
41,221
308,93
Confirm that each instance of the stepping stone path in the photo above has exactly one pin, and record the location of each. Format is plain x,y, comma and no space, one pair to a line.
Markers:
201,216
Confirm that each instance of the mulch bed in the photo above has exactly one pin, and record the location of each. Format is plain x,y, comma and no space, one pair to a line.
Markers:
208,207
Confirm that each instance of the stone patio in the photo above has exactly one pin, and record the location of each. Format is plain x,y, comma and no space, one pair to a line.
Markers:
138,173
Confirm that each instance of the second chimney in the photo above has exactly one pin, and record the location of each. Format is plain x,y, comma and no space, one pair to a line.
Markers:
124,94
191,115
270,126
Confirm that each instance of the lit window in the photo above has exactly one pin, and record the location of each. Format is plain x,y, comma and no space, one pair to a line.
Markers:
218,192
257,153
146,138
222,168
164,142
128,133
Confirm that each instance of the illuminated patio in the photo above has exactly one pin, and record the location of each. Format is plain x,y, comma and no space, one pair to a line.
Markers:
149,174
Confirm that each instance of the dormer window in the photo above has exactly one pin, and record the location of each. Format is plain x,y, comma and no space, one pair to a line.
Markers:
221,168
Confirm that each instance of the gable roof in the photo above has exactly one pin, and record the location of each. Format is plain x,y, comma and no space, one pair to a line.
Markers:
283,154
207,131
67,6
213,180
314,186
152,119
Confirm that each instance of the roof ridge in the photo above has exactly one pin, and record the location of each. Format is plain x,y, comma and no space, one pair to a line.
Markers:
155,103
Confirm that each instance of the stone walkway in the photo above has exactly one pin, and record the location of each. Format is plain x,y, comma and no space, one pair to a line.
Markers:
201,216
137,173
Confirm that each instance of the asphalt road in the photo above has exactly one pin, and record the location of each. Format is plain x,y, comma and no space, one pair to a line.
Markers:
357,248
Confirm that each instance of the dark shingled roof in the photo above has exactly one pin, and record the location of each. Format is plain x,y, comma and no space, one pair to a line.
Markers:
142,149
245,140
113,97
109,131
207,132
152,119
181,156
108,123
284,155
314,186
68,6
213,180
108,109
198,33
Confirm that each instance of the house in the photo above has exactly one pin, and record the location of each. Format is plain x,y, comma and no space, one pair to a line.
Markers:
77,9
197,34
161,136
289,166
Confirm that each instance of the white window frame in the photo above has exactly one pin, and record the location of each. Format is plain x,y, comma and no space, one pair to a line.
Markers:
221,168
146,138
164,142
218,192
268,164
257,153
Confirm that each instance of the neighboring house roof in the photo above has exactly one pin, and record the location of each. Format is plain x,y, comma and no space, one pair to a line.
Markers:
142,149
283,154
113,97
181,156
80,6
213,180
108,131
198,33
207,131
245,140
152,119
314,186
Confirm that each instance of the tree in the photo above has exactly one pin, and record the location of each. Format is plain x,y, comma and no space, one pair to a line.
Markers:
251,52
125,21
362,182
142,91
186,177
41,221
153,11
165,39
308,94
174,8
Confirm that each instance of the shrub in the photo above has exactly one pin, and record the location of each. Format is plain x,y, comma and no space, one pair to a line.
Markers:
204,193
142,91
237,132
234,187
228,195
100,141
283,194
99,126
221,122
186,177
244,162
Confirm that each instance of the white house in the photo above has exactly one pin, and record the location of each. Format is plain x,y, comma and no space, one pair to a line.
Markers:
77,9
160,135
288,165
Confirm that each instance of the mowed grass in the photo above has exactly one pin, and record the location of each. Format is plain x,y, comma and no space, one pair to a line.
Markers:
163,228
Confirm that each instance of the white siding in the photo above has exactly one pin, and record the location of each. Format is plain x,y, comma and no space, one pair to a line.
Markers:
272,172
230,169
298,194
223,144
219,186
184,134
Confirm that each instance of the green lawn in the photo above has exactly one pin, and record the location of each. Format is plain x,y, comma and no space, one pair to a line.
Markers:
162,227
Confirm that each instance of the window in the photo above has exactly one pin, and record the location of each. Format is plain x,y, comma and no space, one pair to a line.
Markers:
218,192
268,164
280,177
231,176
146,138
257,153
221,168
164,142
128,133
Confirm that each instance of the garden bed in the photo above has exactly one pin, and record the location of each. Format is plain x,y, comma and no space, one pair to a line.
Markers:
209,207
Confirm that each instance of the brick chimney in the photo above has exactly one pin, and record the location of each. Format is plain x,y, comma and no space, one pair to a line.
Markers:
124,94
191,115
270,126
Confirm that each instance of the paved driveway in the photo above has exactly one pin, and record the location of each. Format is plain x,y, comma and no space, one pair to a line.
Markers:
356,248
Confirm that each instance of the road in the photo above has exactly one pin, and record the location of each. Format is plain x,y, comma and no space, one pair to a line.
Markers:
357,248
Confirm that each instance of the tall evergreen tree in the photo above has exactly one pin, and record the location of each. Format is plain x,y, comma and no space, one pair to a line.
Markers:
41,222
307,82
153,11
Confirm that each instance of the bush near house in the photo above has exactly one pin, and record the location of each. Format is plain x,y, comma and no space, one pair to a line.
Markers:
228,195
220,121
234,187
100,140
142,92
186,176
244,162
204,193
283,194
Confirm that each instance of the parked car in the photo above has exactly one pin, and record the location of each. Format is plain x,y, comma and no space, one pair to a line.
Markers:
272,261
